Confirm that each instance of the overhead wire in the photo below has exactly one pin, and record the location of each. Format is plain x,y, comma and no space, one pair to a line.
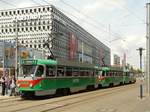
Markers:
131,12
65,12
35,2
95,26
114,34
8,3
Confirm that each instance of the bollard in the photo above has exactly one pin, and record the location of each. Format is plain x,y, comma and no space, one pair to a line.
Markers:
141,91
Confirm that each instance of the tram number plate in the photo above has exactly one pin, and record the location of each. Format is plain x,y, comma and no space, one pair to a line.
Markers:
75,80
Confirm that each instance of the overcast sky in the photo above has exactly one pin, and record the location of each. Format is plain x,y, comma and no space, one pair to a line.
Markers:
126,19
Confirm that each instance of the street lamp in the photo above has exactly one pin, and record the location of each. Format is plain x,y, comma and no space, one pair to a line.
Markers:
140,49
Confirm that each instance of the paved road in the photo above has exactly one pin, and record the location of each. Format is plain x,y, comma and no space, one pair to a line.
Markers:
117,99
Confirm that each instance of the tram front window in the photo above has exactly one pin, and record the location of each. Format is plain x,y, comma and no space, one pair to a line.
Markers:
39,71
103,73
27,70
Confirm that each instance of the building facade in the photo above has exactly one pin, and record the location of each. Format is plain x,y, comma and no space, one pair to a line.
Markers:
35,25
116,60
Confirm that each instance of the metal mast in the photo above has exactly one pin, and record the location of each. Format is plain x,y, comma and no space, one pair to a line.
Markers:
16,41
147,45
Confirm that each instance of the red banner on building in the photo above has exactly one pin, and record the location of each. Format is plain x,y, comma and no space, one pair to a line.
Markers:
72,46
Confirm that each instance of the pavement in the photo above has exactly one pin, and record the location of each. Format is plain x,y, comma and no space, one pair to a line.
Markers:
122,101
126,100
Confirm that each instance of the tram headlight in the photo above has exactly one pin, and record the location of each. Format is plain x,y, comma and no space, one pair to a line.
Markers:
31,85
18,85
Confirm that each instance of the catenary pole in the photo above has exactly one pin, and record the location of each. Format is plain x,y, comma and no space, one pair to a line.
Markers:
148,46
16,54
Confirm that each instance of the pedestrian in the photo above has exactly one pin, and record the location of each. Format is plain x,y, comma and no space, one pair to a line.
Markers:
12,85
3,85
7,84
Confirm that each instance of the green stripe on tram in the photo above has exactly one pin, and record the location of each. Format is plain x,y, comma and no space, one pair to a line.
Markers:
38,62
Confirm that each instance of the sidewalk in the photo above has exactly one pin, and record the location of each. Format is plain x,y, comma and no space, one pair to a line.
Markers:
143,105
5,96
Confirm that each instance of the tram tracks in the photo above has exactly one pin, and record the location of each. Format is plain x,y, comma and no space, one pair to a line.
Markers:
60,102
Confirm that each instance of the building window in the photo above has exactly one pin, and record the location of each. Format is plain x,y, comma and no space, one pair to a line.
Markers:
48,8
10,13
39,46
39,9
18,29
22,29
30,10
35,28
10,30
14,30
2,30
43,9
43,27
35,23
18,12
31,28
43,22
14,12
26,28
39,27
34,10
34,45
26,11
2,13
6,13
48,27
22,11
22,42
31,46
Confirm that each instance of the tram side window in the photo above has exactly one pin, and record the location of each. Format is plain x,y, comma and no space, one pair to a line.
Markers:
69,72
121,74
107,73
110,73
50,71
75,73
126,74
60,72
92,73
40,71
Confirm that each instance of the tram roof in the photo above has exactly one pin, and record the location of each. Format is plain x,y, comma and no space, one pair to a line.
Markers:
38,62
112,68
56,62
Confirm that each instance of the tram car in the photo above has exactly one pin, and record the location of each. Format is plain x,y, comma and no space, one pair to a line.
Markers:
112,76
42,77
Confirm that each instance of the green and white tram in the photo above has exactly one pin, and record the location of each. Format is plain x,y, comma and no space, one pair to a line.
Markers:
45,77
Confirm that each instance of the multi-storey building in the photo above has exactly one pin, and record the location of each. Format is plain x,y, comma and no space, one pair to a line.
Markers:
35,25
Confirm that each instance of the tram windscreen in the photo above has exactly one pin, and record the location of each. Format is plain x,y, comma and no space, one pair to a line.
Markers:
27,70
39,71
